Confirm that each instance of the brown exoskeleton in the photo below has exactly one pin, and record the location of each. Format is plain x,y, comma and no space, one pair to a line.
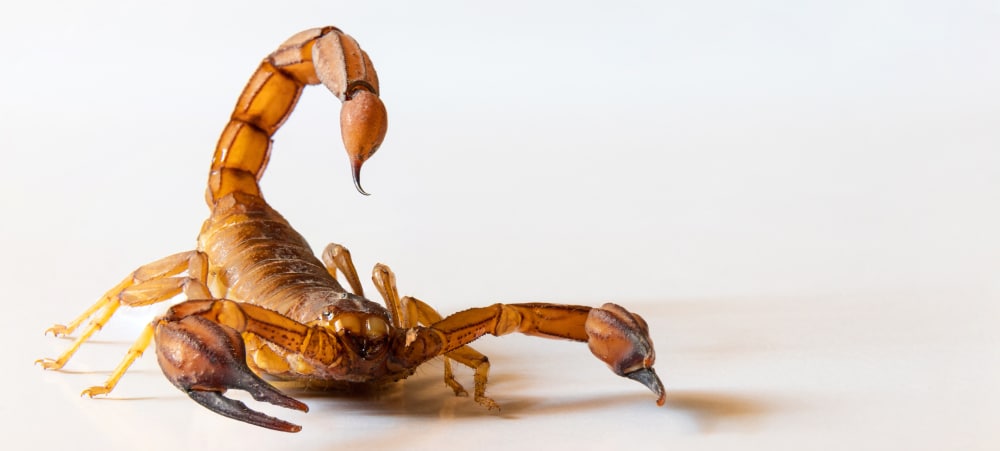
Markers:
260,302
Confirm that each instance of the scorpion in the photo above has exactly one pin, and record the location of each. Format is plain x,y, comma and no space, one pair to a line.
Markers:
260,303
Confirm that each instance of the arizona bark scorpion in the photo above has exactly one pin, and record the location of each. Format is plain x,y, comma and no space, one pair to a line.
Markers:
259,301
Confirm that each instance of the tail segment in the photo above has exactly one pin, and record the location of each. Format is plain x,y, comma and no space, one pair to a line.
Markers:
319,55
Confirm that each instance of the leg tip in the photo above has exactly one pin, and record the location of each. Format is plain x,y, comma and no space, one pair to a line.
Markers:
49,364
96,390
57,330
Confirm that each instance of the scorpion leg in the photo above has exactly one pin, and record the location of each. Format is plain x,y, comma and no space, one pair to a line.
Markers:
201,351
338,258
414,312
146,285
149,293
615,336
403,314
465,355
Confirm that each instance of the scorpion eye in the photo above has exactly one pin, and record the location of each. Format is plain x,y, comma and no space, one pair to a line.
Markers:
327,316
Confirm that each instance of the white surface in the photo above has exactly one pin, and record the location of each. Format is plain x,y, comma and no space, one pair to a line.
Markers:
800,199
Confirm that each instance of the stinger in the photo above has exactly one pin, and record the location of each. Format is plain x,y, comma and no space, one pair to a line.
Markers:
319,55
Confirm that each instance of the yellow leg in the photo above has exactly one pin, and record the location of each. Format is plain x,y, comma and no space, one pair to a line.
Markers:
109,306
146,285
480,364
134,352
465,355
338,258
170,287
60,330
413,312
403,314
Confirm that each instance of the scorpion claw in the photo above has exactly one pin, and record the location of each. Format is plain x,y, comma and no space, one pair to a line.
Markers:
264,392
204,359
621,339
236,410
648,377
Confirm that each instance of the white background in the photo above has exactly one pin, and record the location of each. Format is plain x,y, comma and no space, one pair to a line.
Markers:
800,197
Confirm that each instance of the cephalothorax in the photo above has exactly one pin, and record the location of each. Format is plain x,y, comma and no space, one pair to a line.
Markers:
259,301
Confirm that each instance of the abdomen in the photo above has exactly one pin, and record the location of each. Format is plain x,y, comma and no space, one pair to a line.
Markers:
255,256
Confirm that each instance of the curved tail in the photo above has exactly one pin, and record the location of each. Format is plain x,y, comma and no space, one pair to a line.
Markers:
319,55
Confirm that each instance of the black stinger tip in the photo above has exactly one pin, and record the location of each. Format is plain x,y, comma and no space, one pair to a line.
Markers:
356,173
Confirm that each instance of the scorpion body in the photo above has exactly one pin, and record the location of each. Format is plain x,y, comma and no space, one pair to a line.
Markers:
260,302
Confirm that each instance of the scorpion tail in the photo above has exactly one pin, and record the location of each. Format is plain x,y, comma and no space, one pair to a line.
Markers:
319,55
